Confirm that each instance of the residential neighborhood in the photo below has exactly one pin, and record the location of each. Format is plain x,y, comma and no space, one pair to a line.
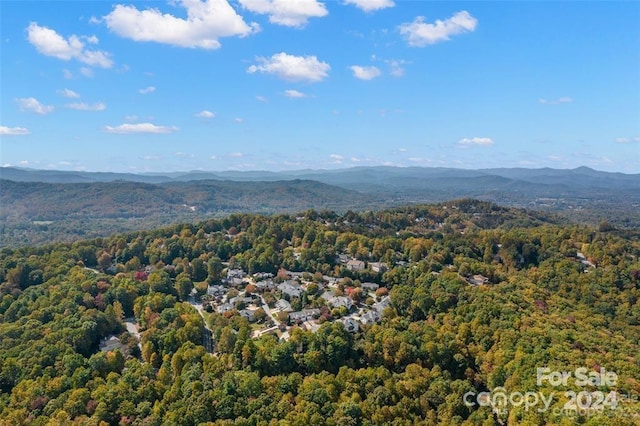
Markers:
277,304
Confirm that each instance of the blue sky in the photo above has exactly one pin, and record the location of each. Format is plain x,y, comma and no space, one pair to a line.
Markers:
291,84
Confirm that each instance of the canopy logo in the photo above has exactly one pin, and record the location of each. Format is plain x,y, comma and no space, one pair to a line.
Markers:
584,402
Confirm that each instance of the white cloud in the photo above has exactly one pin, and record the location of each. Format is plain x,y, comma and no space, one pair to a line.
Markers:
32,104
67,74
292,68
147,90
563,100
13,131
87,72
261,98
238,120
628,140
336,159
50,43
294,94
371,5
181,154
140,128
205,23
131,118
205,114
475,141
83,106
91,39
68,93
419,33
397,69
236,155
365,73
290,13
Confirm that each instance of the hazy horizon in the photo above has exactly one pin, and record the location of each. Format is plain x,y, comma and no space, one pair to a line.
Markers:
285,171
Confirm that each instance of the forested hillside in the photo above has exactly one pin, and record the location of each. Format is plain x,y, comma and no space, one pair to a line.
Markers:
448,301
36,212
41,206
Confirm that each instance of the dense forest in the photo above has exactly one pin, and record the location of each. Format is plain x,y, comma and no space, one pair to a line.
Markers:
44,206
473,297
36,213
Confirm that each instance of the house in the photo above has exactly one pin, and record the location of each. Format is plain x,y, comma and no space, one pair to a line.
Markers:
350,324
337,301
342,258
241,299
236,273
355,265
379,267
248,314
265,285
291,288
111,344
283,306
478,280
216,290
225,307
370,286
582,258
262,276
304,315
311,326
382,305
371,317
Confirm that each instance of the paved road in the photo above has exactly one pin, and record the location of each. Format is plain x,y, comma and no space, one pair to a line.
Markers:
198,307
132,327
266,309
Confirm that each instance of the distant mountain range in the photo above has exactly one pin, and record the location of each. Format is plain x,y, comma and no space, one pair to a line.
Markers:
357,178
70,205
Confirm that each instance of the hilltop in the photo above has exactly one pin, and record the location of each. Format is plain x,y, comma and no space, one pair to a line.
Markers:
43,205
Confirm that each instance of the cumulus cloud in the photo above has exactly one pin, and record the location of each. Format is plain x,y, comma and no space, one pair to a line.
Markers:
32,104
475,141
206,22
371,5
628,140
83,106
290,13
292,68
68,93
147,90
205,114
336,159
13,131
420,33
50,43
563,100
365,73
294,94
139,128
